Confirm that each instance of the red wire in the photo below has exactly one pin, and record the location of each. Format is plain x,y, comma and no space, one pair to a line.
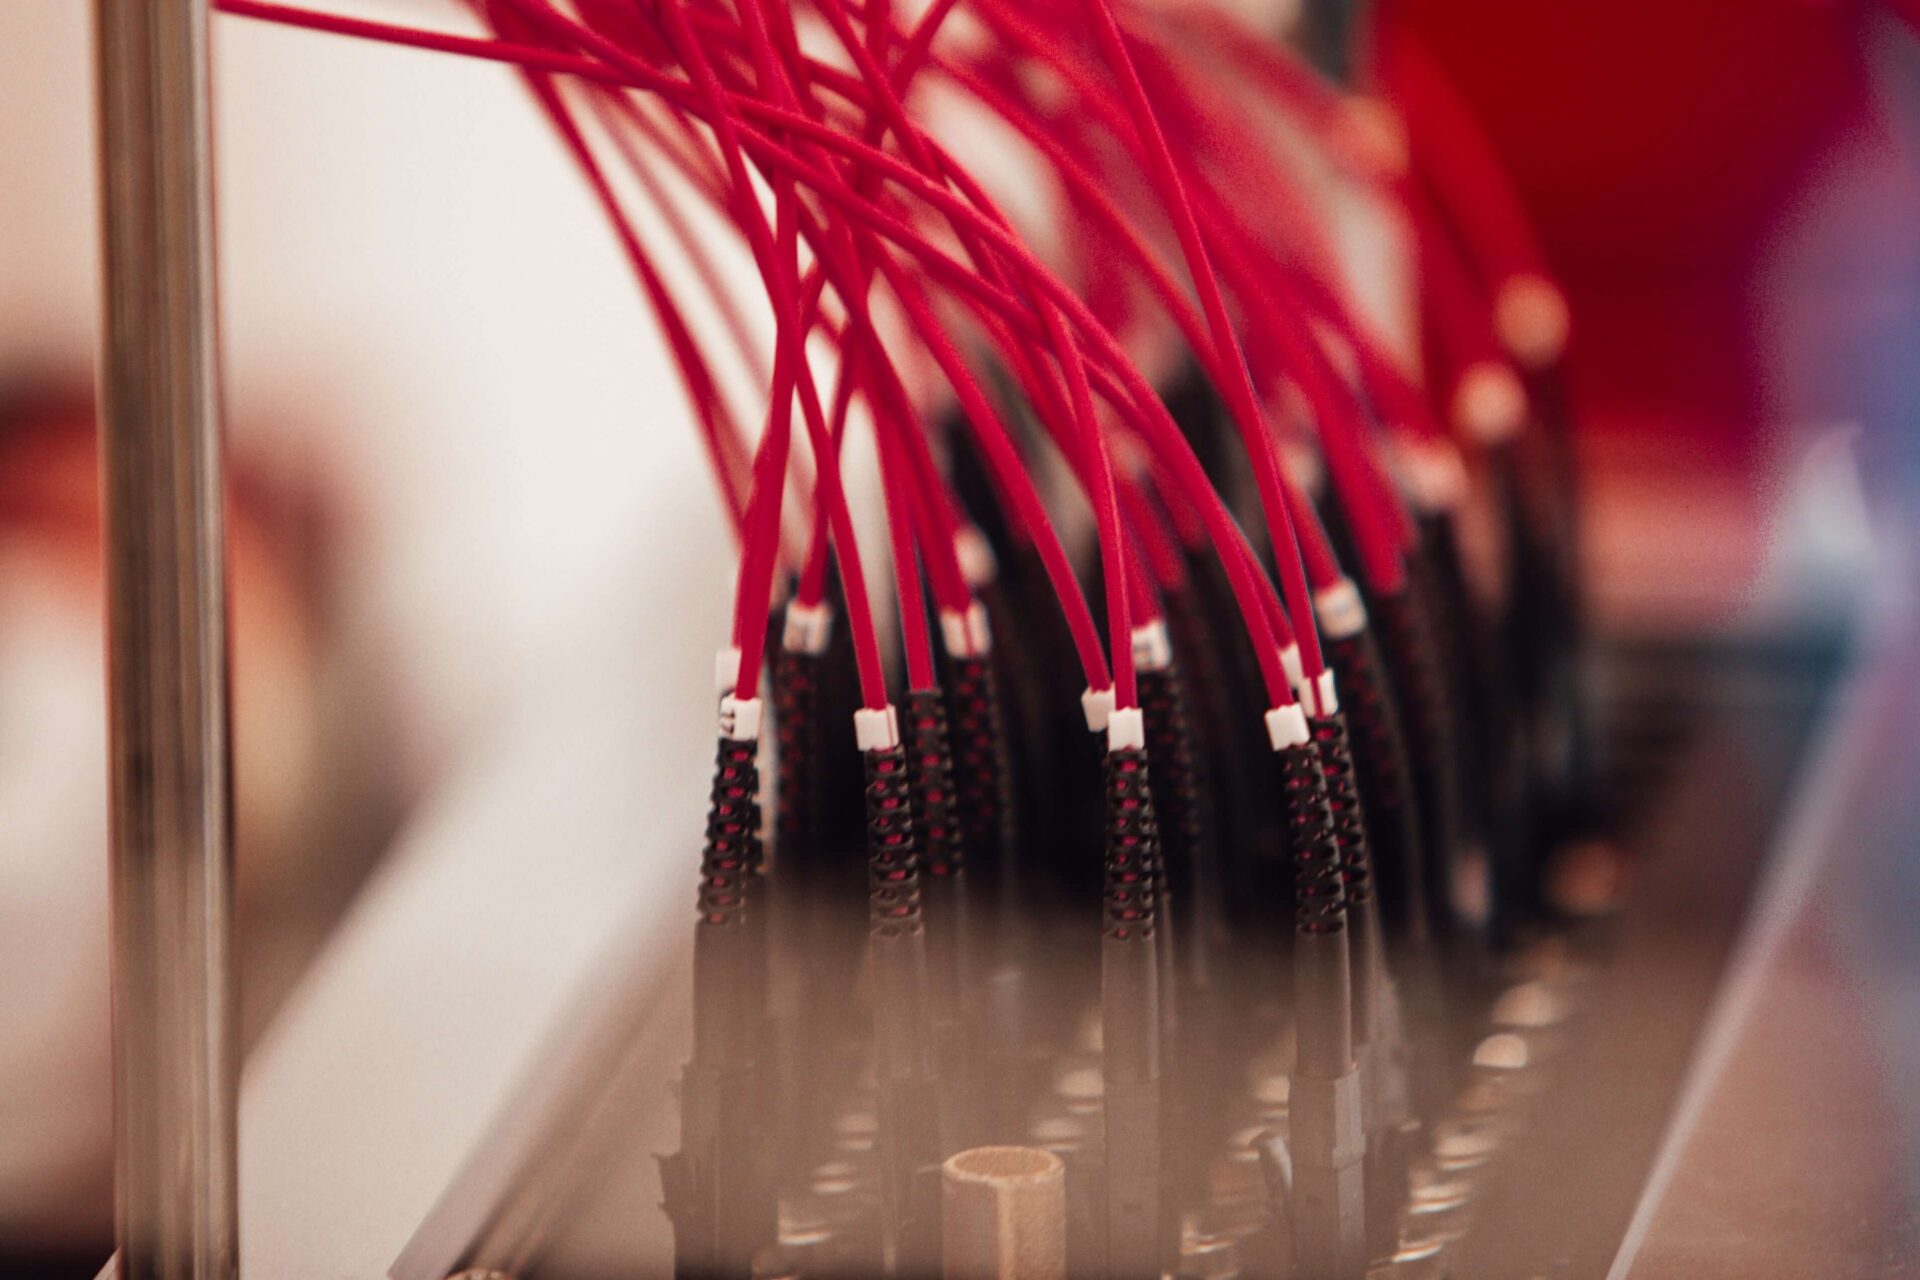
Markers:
1453,155
1238,386
683,96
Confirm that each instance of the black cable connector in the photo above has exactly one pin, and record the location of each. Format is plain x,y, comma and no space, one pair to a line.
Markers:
1378,1048
1327,1141
909,1122
716,1187
948,912
1130,1020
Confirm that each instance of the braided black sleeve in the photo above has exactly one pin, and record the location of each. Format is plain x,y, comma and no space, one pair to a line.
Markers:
1408,645
924,720
1356,869
799,782
893,862
733,851
1348,820
1319,899
982,781
1176,796
1385,779
1133,865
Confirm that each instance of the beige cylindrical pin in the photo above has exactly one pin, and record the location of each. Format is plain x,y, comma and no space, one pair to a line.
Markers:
1005,1215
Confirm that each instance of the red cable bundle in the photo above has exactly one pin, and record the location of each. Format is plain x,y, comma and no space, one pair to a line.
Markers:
847,202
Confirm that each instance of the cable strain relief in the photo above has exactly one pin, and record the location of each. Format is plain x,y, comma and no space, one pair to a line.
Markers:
1291,666
1302,462
1531,317
876,728
979,629
953,634
1318,695
740,718
966,633
1489,403
1152,650
1287,726
1126,730
1097,706
808,628
1431,473
978,565
1339,610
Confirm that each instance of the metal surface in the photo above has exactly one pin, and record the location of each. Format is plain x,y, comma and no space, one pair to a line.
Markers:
170,767
1794,1149
1733,725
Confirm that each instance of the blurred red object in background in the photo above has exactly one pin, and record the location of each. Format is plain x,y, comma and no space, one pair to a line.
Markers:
1728,202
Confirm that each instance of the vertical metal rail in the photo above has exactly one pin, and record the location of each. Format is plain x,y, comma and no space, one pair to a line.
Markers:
175,1062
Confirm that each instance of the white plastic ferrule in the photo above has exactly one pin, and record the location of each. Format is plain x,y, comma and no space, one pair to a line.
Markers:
1433,474
1530,315
726,670
739,718
876,730
1489,404
953,633
1339,610
1287,726
1319,696
979,630
809,627
1290,665
1097,705
1126,730
977,563
1304,465
1152,651
966,635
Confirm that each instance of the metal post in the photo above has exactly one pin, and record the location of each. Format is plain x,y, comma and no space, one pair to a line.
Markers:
170,766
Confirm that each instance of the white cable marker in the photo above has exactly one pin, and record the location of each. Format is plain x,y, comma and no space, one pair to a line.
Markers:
1339,610
1152,651
1097,706
1127,730
876,730
977,563
1531,316
740,718
808,628
953,634
1432,473
1318,694
1286,726
1489,404
1290,665
979,630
